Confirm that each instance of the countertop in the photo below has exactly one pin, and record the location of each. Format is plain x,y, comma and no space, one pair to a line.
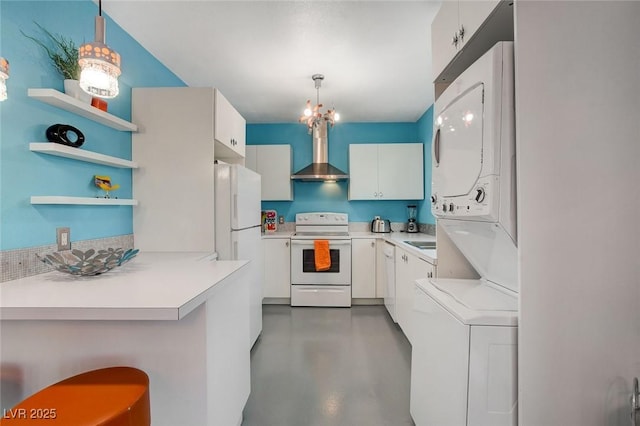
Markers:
398,239
152,286
277,234
395,238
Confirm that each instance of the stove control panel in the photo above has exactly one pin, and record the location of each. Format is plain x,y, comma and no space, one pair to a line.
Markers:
322,218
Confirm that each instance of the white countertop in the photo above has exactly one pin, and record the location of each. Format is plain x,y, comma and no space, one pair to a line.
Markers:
277,234
152,286
399,238
395,238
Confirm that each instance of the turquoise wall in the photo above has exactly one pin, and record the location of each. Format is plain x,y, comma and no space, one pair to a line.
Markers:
425,132
319,196
24,120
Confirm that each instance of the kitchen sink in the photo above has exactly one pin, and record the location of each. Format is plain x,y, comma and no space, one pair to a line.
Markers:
423,245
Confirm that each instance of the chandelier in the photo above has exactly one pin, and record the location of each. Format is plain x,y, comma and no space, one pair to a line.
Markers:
312,116
99,64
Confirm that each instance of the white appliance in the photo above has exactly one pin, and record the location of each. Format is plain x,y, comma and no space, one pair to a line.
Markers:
389,251
310,287
238,236
465,353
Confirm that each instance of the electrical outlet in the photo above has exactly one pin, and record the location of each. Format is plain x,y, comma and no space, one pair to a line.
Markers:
63,238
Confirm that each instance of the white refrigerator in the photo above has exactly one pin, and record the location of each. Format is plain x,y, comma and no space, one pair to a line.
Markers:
237,230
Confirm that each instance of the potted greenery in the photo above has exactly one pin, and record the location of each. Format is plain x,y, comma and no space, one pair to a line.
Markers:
63,53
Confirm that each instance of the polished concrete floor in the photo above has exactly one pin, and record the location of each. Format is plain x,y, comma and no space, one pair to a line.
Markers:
329,366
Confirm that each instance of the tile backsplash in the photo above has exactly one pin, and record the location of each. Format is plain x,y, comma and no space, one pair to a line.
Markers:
22,263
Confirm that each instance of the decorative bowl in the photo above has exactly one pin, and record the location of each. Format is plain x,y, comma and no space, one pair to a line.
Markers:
90,262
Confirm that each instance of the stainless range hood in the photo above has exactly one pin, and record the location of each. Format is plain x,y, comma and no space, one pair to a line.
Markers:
320,170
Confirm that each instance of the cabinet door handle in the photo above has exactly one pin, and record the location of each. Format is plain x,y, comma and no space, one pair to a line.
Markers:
381,195
375,195
454,40
373,243
461,32
286,244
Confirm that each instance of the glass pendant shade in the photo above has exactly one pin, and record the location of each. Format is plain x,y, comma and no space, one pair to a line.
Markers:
99,66
4,75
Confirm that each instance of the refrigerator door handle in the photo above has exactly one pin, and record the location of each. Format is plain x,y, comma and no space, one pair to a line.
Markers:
235,207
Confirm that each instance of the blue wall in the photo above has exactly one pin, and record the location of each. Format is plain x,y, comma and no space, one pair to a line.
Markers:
318,196
425,132
24,120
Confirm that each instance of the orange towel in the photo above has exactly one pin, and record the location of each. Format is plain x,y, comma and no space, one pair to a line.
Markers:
321,254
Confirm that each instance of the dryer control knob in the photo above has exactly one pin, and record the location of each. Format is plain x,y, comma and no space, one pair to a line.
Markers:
480,194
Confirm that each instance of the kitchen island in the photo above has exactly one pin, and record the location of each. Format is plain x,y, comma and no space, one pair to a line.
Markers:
180,317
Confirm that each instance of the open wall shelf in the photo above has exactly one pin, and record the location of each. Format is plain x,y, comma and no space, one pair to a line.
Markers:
59,150
87,201
60,100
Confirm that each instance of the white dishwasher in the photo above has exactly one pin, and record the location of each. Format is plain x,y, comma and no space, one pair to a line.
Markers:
389,251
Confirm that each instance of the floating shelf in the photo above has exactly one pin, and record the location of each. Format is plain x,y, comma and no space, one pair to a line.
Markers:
80,154
60,100
89,201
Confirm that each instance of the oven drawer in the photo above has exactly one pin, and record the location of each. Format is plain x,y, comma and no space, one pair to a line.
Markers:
317,295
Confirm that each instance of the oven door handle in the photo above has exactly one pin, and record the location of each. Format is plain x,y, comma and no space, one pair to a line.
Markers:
310,242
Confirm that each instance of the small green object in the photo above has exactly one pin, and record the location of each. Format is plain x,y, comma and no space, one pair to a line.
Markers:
62,51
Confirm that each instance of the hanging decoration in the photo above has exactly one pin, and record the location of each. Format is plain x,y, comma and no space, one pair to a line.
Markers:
312,116
99,64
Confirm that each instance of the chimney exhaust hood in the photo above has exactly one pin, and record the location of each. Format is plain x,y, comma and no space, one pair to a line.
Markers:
320,170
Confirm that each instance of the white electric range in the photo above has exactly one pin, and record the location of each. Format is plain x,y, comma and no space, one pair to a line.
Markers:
310,287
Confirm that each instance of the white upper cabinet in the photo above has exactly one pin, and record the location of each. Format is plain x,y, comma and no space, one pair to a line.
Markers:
251,157
273,163
230,129
463,30
393,171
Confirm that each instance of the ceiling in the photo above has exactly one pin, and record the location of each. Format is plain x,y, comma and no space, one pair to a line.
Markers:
375,55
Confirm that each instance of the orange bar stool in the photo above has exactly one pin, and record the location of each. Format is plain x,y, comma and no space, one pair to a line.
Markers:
115,396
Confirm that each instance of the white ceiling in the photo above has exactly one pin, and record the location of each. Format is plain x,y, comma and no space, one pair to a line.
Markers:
375,55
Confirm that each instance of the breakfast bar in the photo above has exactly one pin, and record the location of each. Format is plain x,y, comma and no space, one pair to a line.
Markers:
183,318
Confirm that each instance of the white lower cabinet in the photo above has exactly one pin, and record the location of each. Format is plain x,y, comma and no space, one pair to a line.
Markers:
381,270
277,267
408,269
363,268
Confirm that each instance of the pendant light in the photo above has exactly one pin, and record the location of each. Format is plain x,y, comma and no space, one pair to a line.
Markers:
99,64
313,117
4,75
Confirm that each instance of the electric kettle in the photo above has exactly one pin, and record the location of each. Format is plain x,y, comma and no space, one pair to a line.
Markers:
380,225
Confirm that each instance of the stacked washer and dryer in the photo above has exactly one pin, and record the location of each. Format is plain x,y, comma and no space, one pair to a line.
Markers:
464,358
